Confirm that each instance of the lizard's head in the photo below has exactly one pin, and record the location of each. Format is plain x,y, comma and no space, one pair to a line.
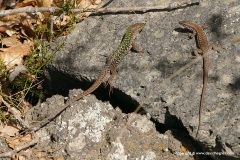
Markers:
183,23
137,27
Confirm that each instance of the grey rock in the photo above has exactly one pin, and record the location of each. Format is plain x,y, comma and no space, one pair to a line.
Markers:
91,129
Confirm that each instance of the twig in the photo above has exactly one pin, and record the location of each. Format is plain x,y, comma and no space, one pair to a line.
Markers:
101,10
28,88
51,24
22,99
15,114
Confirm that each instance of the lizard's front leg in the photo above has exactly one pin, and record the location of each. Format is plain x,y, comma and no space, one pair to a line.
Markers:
135,48
111,78
196,52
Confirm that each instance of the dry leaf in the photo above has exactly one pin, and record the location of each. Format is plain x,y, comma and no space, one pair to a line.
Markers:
60,158
15,142
26,28
58,3
27,3
1,5
91,4
9,3
11,18
8,130
39,154
6,28
21,21
3,29
14,52
46,3
96,1
18,156
61,20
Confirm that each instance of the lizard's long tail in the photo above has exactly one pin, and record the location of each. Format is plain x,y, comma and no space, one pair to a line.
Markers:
88,91
95,85
205,80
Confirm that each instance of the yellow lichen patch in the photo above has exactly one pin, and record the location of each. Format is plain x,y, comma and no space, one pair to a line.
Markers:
160,147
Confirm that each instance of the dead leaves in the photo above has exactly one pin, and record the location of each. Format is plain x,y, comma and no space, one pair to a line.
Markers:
8,130
17,34
12,51
18,30
18,141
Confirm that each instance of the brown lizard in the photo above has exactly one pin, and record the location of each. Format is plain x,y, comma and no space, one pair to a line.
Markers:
110,66
204,47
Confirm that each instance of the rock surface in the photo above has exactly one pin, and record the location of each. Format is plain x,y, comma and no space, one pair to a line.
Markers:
175,105
92,129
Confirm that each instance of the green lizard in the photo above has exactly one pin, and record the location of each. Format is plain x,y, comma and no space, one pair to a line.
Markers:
110,66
